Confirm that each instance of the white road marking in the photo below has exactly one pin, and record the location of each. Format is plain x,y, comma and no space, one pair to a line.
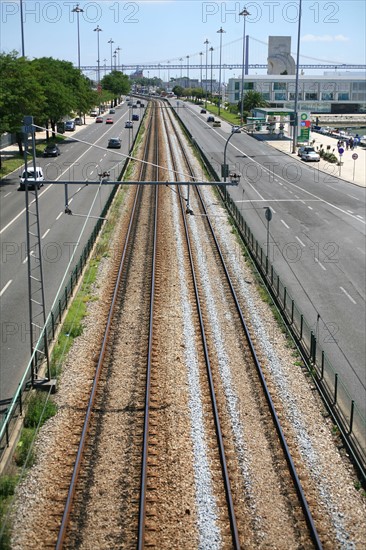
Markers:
59,216
5,287
46,233
300,241
273,210
7,194
348,296
352,197
359,216
350,211
321,265
285,224
22,211
310,208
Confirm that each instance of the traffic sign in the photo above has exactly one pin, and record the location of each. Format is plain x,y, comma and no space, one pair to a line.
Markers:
355,156
341,150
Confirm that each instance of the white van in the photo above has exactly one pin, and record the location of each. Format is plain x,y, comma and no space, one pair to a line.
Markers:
38,177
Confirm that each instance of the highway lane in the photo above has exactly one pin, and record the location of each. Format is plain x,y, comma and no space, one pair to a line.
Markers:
317,238
59,232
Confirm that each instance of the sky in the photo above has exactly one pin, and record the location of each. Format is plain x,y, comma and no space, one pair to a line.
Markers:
159,31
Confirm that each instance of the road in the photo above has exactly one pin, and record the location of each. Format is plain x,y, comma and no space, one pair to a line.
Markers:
81,161
316,238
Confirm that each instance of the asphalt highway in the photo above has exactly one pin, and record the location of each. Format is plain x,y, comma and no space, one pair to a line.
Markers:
83,156
316,237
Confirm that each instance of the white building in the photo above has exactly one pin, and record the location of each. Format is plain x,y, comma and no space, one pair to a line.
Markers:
317,94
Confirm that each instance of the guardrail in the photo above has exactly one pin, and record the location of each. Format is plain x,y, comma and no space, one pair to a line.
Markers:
335,395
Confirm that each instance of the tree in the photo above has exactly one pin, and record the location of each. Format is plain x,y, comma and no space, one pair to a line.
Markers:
252,99
178,91
20,94
117,83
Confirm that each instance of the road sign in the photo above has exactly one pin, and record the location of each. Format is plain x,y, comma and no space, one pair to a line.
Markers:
355,156
341,150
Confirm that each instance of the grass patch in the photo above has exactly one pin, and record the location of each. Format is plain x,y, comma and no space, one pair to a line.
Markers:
7,489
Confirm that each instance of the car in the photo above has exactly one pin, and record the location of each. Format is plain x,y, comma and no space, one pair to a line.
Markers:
134,106
203,111
51,150
129,104
78,121
138,101
210,119
135,117
217,123
99,119
309,156
112,111
109,121
114,143
128,124
305,149
235,129
70,126
142,105
94,113
32,178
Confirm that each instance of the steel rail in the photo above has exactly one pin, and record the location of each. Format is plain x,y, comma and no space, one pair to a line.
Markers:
297,484
219,435
83,438
142,504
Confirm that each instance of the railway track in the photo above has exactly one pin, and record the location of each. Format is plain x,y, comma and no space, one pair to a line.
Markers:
181,445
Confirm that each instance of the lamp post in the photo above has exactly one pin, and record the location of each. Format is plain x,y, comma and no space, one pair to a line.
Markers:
111,42
118,49
207,43
78,10
201,54
294,141
22,27
211,50
181,61
168,73
98,30
105,66
115,59
244,13
221,31
188,70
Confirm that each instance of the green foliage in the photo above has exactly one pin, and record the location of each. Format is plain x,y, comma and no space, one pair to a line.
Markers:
7,485
24,452
252,99
178,91
117,83
39,409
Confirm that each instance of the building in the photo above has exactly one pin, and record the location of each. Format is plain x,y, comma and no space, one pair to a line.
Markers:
316,94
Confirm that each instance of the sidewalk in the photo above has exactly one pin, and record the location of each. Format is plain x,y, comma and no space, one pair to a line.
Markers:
353,171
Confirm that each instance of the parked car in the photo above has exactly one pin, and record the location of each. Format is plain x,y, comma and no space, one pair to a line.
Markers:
310,155
217,123
134,106
128,124
129,104
114,143
203,111
210,119
109,121
51,150
142,105
112,111
306,149
99,119
235,129
70,126
94,113
32,178
78,121
135,117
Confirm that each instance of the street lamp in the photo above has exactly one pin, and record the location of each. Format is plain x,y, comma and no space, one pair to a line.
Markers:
118,49
201,54
22,27
211,50
78,10
111,42
221,31
181,61
207,43
188,70
296,122
98,30
244,13
168,73
115,59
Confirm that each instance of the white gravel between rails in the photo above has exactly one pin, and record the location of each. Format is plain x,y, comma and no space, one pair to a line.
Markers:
333,474
207,514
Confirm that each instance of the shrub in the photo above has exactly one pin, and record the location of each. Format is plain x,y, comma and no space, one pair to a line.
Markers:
40,409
